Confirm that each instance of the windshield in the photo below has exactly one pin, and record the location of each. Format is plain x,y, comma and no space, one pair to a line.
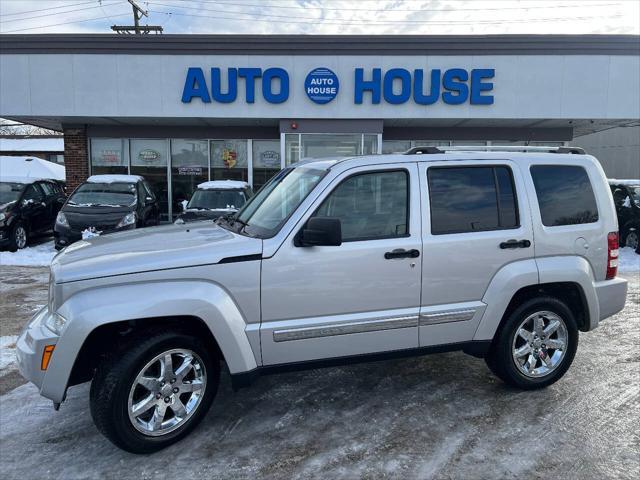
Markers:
104,195
216,200
9,192
267,211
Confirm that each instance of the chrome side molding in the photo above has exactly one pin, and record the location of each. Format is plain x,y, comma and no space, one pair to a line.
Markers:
360,326
446,317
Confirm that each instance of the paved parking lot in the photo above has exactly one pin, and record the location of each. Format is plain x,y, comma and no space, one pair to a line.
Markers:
440,416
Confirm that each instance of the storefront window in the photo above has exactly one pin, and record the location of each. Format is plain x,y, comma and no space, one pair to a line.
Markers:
266,161
321,145
149,159
109,156
229,160
395,146
189,168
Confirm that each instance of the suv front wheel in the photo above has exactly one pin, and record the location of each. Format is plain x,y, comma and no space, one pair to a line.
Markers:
536,345
153,393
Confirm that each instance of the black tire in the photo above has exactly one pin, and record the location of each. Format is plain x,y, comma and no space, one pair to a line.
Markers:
113,380
14,243
500,359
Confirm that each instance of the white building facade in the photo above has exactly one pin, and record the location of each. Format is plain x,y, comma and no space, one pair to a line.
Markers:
181,109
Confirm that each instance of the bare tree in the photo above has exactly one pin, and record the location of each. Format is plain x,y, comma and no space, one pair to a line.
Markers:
9,127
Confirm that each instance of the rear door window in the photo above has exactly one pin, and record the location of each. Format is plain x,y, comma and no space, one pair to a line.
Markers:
564,195
471,199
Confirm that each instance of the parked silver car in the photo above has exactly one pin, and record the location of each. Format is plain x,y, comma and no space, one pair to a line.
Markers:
502,255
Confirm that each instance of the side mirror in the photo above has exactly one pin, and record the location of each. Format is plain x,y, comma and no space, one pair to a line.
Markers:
321,231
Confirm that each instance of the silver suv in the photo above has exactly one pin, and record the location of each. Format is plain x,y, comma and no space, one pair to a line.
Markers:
503,255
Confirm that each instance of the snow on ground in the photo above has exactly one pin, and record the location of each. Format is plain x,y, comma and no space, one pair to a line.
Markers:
7,350
35,256
629,261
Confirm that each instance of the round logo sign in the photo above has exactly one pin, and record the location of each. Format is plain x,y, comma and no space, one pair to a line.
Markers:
321,85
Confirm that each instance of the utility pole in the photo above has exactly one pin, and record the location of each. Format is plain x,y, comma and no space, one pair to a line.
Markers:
136,29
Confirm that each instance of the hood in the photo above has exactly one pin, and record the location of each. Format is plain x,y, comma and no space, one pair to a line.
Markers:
154,248
101,217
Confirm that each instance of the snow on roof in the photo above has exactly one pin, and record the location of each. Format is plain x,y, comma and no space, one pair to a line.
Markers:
223,185
114,178
30,167
32,144
615,181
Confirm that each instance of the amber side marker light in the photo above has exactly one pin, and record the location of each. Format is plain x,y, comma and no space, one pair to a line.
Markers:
46,356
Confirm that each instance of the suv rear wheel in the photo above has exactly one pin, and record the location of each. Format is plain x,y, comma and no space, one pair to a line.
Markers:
536,345
153,393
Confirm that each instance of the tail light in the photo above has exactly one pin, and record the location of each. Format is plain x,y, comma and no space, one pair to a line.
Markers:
612,256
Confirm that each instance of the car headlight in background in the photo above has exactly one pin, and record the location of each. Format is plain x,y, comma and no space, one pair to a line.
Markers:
129,219
61,220
55,323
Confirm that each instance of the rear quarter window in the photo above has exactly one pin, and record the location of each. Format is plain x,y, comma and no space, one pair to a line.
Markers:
565,195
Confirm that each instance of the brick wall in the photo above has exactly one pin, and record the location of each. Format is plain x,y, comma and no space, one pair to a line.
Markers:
76,157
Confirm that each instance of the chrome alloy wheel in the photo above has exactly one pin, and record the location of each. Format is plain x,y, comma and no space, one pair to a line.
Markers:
167,392
21,237
540,344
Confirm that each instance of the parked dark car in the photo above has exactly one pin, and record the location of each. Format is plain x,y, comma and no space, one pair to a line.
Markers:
27,207
626,197
106,204
214,199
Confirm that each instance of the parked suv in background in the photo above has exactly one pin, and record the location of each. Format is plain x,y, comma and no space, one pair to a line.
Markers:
626,197
106,204
214,199
27,206
506,256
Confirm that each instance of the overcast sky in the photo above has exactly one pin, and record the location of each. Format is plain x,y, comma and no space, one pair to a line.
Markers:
328,16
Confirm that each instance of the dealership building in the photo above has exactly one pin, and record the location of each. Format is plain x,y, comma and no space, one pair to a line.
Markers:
182,109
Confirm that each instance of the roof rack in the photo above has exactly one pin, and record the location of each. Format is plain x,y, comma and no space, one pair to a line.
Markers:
491,148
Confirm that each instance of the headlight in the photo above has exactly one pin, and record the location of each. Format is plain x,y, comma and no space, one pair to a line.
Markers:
129,219
2,217
55,323
61,220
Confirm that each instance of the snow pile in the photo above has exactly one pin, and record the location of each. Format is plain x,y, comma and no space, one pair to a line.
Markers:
31,167
629,261
7,350
36,256
114,178
223,185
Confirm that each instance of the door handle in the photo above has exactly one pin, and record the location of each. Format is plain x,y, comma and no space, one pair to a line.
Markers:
400,253
515,244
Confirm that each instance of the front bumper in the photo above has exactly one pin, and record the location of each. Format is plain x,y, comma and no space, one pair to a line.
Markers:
30,347
64,236
612,295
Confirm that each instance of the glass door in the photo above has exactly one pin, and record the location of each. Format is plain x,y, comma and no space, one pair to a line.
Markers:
266,161
229,160
149,159
189,168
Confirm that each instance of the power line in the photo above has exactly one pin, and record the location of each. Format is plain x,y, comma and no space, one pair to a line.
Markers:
361,23
64,23
44,9
367,10
57,13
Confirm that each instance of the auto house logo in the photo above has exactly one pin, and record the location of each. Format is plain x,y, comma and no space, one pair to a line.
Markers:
321,85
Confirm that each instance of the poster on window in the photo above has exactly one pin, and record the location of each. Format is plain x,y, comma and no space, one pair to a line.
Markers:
229,154
266,154
148,153
107,153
